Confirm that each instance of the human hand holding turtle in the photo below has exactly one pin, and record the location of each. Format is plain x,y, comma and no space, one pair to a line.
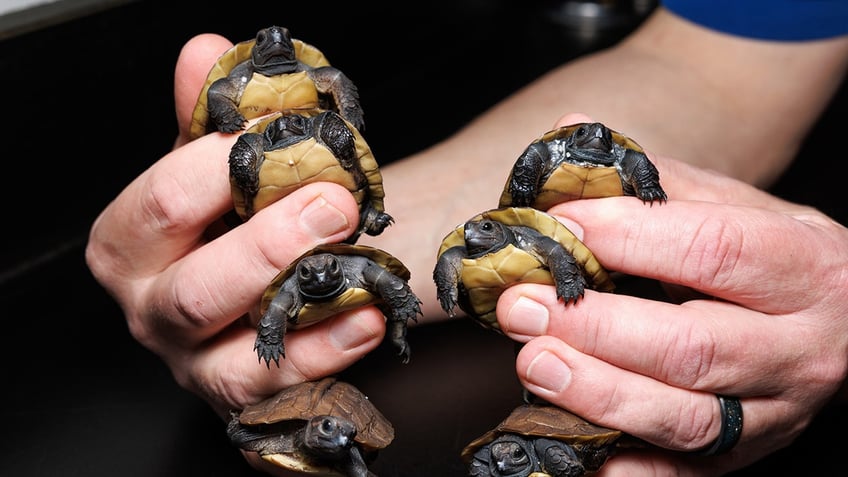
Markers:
653,369
184,285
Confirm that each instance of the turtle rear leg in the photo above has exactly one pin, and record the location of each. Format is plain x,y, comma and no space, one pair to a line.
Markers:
399,305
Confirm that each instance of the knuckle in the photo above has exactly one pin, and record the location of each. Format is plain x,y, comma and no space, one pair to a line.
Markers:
689,359
169,207
713,255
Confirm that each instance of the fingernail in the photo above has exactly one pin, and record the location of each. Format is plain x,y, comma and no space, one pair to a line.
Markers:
322,218
527,318
351,332
548,372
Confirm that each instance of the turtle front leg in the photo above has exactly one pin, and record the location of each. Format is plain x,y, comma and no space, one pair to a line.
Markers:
640,178
446,275
400,305
223,98
246,157
526,176
332,81
356,465
558,459
567,274
271,330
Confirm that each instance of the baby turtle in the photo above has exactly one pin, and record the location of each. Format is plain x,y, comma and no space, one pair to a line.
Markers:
501,247
287,151
269,73
582,160
325,427
540,440
328,280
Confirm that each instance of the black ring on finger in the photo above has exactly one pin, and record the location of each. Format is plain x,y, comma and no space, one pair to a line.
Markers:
731,426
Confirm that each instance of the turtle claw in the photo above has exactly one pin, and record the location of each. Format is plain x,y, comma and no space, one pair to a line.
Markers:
230,122
270,353
653,194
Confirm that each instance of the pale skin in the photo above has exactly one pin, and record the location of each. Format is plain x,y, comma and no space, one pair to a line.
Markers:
185,284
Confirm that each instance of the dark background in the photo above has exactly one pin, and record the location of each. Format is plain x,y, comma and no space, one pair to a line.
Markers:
88,105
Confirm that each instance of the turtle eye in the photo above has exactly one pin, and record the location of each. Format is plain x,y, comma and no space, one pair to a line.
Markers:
304,272
487,226
580,132
327,426
261,37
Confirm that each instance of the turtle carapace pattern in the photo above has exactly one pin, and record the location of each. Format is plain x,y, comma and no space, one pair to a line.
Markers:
325,427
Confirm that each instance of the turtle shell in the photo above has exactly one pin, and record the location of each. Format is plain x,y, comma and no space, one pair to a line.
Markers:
263,94
327,396
571,180
542,420
483,279
352,298
285,170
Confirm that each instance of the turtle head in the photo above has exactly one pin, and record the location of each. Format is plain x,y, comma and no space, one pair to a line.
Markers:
486,236
328,436
320,277
511,456
273,53
594,136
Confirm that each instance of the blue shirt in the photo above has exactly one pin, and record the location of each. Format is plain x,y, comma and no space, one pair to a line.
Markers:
785,20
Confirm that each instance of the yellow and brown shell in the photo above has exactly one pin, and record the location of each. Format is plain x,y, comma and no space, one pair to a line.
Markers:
263,94
327,396
285,170
485,278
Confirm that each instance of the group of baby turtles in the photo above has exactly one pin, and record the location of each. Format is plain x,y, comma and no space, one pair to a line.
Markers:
307,127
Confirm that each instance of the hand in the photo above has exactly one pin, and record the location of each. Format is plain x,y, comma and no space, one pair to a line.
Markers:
184,282
768,328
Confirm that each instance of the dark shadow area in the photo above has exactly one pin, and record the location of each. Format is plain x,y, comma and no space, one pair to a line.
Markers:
90,106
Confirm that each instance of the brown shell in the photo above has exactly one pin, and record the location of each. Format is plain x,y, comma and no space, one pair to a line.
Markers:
350,299
285,170
572,181
485,278
300,91
327,396
538,420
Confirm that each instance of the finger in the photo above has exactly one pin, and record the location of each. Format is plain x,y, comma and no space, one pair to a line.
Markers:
162,214
572,118
663,415
228,371
689,346
720,250
195,61
202,293
684,181
655,462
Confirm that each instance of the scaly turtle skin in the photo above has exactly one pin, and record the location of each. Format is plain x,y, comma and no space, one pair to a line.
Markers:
326,427
328,280
582,160
286,151
501,247
272,72
540,440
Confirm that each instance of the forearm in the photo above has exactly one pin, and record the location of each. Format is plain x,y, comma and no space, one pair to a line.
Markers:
738,106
